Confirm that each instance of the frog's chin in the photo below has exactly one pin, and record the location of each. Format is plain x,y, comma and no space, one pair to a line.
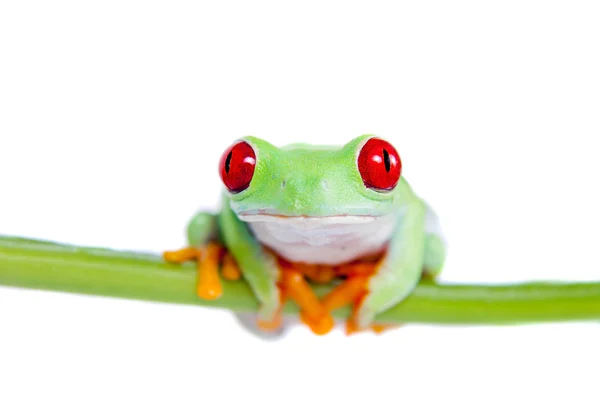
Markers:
327,240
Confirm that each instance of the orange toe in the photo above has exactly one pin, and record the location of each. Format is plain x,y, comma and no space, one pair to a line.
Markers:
182,255
381,328
209,283
271,325
351,327
347,292
321,325
230,269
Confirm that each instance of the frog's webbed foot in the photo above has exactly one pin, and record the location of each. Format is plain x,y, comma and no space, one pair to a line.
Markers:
294,286
209,258
213,258
352,291
316,313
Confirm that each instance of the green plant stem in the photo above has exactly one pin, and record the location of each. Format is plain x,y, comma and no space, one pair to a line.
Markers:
43,265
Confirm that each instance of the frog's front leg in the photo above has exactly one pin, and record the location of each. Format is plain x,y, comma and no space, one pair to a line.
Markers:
399,270
391,279
206,246
270,278
203,246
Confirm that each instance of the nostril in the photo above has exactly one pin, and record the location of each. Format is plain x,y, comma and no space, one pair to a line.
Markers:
283,184
324,185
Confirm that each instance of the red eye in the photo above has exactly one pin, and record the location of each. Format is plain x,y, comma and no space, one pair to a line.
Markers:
237,166
379,165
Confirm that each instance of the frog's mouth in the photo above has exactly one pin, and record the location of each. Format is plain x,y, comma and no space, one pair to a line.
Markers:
303,219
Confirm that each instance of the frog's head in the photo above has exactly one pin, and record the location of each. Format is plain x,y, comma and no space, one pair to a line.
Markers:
357,181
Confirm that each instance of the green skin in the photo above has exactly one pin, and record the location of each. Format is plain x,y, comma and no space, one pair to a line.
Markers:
411,250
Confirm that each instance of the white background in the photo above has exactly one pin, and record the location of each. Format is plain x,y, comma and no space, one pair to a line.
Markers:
113,116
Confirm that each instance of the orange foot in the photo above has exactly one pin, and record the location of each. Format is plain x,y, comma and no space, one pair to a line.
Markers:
295,287
352,291
209,258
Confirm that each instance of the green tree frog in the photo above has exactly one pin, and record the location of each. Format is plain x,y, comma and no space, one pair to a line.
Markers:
298,213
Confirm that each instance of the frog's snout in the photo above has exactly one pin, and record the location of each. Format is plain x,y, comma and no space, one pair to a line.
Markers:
303,195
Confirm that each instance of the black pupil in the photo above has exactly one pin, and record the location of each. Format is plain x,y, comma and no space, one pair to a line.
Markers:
228,161
386,160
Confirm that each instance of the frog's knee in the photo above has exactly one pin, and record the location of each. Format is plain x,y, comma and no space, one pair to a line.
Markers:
435,254
201,228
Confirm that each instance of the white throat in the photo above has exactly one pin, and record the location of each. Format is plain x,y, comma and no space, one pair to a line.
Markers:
322,240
